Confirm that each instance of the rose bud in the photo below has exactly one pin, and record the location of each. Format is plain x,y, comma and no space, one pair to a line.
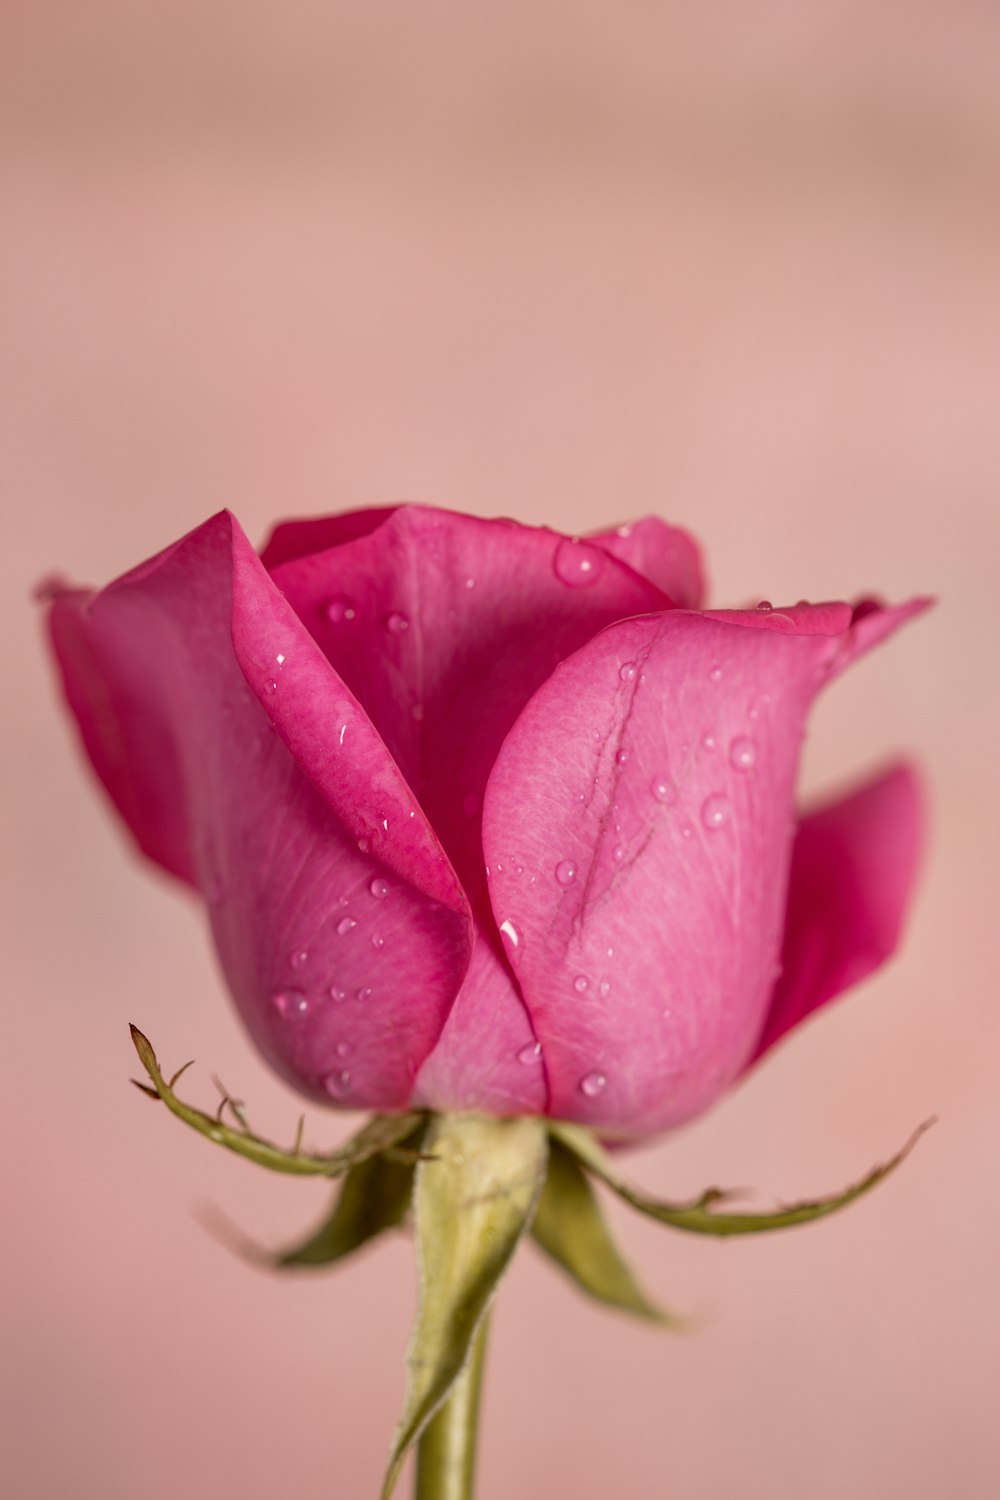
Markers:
488,818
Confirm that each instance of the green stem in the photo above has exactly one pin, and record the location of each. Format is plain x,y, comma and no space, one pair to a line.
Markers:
446,1454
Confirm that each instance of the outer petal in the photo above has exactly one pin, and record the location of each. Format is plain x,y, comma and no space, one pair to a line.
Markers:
637,825
666,555
443,625
853,869
293,539
243,763
488,1058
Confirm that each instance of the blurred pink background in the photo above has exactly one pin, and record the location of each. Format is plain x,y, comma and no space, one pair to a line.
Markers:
737,265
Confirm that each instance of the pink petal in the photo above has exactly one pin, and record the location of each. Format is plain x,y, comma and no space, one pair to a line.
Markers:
443,625
853,868
666,555
488,1058
638,825
242,763
293,539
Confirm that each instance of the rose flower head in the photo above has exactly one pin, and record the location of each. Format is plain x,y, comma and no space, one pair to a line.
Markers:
487,818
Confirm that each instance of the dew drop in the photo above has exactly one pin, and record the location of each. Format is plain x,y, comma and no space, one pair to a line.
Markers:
743,753
663,790
470,583
299,958
765,606
379,888
339,609
531,1054
396,623
510,932
338,1083
715,675
621,756
292,1005
364,845
686,831
581,984
565,872
271,685
365,992
593,1084
627,671
604,988
336,993
576,563
708,742
715,812
343,1049
377,940
618,854
345,925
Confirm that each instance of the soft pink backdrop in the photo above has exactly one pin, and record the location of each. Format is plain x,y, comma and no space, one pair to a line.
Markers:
735,264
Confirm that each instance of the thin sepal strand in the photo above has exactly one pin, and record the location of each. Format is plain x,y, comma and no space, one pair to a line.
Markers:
707,1215
382,1133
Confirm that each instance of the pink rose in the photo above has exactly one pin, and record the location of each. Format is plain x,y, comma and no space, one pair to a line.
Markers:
487,818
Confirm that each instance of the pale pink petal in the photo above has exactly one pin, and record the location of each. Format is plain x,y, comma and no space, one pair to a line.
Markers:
669,557
488,1058
637,829
243,763
853,869
443,625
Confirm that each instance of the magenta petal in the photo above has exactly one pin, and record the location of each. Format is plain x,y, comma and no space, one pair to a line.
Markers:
443,626
637,829
853,868
293,539
669,557
341,928
488,1058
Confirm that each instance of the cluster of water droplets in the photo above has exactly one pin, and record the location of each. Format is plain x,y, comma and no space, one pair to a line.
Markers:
297,1005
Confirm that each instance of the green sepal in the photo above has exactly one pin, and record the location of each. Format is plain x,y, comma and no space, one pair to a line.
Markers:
703,1215
381,1133
372,1198
570,1227
474,1196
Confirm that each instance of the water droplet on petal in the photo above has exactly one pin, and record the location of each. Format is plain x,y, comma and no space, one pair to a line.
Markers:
470,583
345,925
339,609
765,606
708,742
686,831
379,888
593,1084
377,940
715,812
292,1005
396,622
271,685
621,756
531,1054
576,563
743,753
299,958
364,845
604,988
510,932
627,671
565,872
618,854
365,992
338,1083
580,984
663,790
715,675
336,993
343,1049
